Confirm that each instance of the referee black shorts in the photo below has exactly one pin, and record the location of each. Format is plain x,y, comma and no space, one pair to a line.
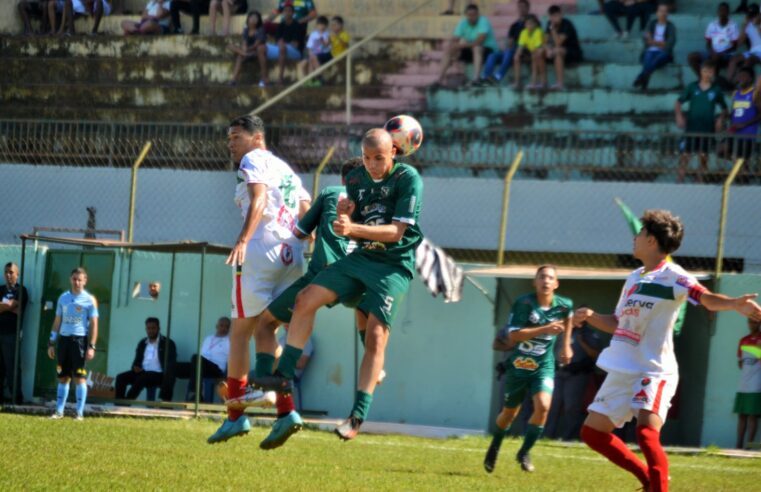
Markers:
71,357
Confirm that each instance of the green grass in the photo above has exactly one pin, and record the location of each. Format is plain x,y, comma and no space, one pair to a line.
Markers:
138,454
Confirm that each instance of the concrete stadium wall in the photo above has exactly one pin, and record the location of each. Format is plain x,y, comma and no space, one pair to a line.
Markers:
558,216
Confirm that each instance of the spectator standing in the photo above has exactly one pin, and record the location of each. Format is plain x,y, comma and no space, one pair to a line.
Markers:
254,45
473,40
703,96
154,20
303,12
228,9
745,116
562,45
13,301
192,7
148,366
721,36
748,397
290,42
530,47
631,9
750,34
214,352
659,46
339,38
505,58
318,48
37,9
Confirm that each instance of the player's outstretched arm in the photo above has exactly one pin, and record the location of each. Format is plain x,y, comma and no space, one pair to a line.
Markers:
744,304
603,322
258,195
385,233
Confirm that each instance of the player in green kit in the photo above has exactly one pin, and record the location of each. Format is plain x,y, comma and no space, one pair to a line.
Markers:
534,324
381,214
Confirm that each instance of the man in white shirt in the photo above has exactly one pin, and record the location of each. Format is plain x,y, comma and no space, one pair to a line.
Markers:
214,353
721,38
148,368
750,34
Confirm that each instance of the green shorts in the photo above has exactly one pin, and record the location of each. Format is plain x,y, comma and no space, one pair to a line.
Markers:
519,381
282,307
748,404
384,285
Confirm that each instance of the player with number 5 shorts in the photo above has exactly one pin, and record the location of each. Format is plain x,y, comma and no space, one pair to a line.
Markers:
640,362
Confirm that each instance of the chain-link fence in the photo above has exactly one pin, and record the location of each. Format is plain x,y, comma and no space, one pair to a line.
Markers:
562,205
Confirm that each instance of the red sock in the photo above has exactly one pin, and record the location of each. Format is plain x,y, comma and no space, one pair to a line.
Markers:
284,404
649,441
235,388
613,448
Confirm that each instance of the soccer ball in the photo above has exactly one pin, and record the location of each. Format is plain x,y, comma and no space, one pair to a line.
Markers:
406,133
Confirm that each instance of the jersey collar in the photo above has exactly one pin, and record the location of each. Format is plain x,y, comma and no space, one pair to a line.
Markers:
658,267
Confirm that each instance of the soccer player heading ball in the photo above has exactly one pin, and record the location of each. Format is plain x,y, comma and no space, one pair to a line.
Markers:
640,362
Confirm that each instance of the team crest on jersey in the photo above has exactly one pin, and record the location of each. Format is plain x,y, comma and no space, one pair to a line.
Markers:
645,381
525,363
684,282
385,191
286,254
640,397
534,317
78,308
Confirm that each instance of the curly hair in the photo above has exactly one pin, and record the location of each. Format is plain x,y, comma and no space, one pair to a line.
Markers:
665,227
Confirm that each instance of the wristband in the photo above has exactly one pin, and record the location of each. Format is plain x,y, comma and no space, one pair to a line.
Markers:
53,337
91,345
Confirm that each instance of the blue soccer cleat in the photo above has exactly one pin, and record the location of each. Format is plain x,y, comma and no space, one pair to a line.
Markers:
229,429
283,428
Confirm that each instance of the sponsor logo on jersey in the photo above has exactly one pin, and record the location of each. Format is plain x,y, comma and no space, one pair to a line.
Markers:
638,303
373,208
684,282
534,317
640,397
532,348
286,254
525,363
645,381
374,246
78,308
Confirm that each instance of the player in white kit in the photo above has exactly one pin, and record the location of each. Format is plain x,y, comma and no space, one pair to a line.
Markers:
640,361
267,257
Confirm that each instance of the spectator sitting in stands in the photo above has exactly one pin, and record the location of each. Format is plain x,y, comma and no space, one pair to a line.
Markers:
148,367
192,7
154,19
228,9
71,8
303,12
530,45
474,41
562,45
254,45
745,116
721,41
318,47
750,34
339,38
704,96
505,58
632,9
290,42
37,9
214,352
659,46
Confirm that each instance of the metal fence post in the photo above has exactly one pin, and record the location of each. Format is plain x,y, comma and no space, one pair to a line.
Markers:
133,189
505,207
199,374
723,215
348,89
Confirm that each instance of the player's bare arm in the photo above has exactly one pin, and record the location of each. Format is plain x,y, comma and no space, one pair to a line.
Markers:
93,335
502,344
554,328
257,192
385,233
566,352
603,322
744,304
53,336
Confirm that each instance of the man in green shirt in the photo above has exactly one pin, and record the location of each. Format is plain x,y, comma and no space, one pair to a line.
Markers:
534,323
473,42
703,96
381,214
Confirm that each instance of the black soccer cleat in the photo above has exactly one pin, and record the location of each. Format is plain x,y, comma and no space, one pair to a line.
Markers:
277,382
491,457
348,429
525,461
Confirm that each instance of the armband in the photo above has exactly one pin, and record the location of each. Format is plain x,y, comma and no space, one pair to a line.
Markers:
53,337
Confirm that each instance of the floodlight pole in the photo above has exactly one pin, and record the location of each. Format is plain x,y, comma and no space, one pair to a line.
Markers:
505,207
21,300
197,382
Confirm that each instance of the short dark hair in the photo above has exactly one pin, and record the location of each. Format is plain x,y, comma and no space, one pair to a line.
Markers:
666,228
349,165
322,20
78,271
752,10
338,19
724,5
255,13
554,9
708,63
546,266
535,19
249,122
471,6
748,70
153,319
226,320
10,264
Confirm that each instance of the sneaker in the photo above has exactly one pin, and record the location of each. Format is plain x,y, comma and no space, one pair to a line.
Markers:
348,429
230,429
56,416
276,382
253,397
79,418
525,461
381,377
283,428
491,458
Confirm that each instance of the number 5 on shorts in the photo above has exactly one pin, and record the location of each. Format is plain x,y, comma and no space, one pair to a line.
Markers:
388,305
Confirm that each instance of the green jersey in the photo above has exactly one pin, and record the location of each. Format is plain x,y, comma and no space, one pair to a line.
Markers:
538,352
328,246
702,112
396,198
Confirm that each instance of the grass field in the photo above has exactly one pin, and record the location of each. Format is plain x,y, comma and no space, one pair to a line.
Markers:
140,454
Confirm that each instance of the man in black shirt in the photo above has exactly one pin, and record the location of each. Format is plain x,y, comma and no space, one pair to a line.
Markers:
562,44
10,298
290,41
505,58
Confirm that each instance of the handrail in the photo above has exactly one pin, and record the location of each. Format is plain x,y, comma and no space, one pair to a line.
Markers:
337,59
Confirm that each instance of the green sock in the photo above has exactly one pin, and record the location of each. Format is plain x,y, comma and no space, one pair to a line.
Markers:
362,403
533,432
362,337
264,364
287,365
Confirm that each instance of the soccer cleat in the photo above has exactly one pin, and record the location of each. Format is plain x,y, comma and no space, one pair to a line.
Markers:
230,429
276,382
381,377
490,461
525,461
79,418
282,429
56,416
348,429
252,398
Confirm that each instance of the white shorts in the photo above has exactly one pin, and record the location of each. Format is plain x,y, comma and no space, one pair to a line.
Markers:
269,269
622,396
756,53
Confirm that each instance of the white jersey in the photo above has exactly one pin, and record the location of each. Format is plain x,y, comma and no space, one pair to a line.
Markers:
284,191
722,37
754,37
646,312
